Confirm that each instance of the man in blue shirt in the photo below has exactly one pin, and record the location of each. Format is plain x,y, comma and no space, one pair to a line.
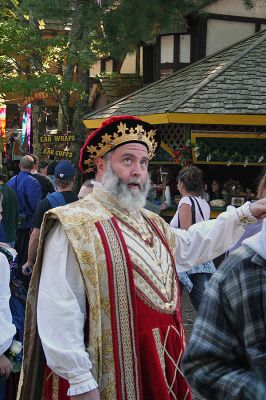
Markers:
64,179
29,194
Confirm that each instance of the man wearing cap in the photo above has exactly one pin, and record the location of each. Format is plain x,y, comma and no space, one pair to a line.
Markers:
9,211
108,310
64,179
44,181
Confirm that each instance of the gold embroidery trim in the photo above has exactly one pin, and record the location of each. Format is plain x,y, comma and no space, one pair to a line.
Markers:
159,347
55,379
124,313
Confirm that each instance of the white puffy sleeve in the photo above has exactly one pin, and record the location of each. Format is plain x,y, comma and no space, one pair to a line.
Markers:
208,239
7,329
61,314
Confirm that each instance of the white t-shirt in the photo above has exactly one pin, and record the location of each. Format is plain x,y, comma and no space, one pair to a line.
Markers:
205,208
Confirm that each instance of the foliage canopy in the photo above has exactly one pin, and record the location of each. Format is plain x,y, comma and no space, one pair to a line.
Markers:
50,45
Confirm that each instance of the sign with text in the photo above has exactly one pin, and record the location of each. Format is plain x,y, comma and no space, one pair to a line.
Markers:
66,154
63,138
35,96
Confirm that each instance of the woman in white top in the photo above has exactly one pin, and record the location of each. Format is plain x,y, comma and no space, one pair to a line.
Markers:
7,329
193,208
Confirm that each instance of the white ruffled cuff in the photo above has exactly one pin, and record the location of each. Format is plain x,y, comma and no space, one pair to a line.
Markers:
245,215
81,384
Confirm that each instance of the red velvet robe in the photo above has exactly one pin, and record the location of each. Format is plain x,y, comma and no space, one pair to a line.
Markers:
158,338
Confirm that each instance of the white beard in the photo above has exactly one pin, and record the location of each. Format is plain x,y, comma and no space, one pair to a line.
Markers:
130,200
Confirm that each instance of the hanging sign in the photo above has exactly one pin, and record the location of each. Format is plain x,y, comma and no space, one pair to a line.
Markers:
2,125
28,125
35,96
26,130
57,153
63,138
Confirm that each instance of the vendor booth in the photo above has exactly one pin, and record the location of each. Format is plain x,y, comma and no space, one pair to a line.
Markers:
212,114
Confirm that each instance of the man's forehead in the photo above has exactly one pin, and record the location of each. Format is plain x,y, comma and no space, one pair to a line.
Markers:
136,148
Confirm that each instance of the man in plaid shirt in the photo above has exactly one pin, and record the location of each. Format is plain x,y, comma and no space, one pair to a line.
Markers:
226,356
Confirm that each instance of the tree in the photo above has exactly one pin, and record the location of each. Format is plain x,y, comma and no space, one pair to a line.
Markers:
86,31
8,8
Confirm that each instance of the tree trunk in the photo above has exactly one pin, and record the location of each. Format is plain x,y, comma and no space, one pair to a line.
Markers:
81,109
38,107
117,64
63,117
138,61
38,126
63,113
63,106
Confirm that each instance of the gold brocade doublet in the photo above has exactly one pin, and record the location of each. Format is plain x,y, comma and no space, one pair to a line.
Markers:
153,270
153,274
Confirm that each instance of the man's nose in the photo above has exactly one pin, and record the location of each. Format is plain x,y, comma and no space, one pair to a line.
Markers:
136,170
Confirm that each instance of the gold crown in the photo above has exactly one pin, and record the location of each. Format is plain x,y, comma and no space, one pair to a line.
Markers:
122,136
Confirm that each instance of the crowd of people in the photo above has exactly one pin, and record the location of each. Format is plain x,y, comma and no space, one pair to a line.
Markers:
102,276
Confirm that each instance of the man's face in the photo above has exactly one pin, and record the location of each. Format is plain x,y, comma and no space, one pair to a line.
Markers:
126,175
130,163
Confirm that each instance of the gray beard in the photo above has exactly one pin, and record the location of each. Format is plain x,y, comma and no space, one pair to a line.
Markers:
127,199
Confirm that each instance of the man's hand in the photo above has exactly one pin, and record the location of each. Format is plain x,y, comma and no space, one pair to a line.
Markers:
26,268
5,367
92,395
258,209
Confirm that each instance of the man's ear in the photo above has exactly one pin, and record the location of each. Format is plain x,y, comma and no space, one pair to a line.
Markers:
101,166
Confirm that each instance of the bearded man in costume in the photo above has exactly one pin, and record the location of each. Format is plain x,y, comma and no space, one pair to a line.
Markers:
104,283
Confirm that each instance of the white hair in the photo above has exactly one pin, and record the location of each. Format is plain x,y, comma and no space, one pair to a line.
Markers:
128,199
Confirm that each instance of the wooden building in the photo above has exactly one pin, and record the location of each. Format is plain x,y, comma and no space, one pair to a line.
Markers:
218,105
206,31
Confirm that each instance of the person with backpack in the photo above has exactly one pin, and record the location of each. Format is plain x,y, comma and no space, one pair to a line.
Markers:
29,193
193,208
64,179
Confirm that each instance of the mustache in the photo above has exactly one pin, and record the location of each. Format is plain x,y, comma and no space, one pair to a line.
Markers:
135,182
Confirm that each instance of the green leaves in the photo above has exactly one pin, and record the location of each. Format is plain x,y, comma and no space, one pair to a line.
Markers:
8,9
50,45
